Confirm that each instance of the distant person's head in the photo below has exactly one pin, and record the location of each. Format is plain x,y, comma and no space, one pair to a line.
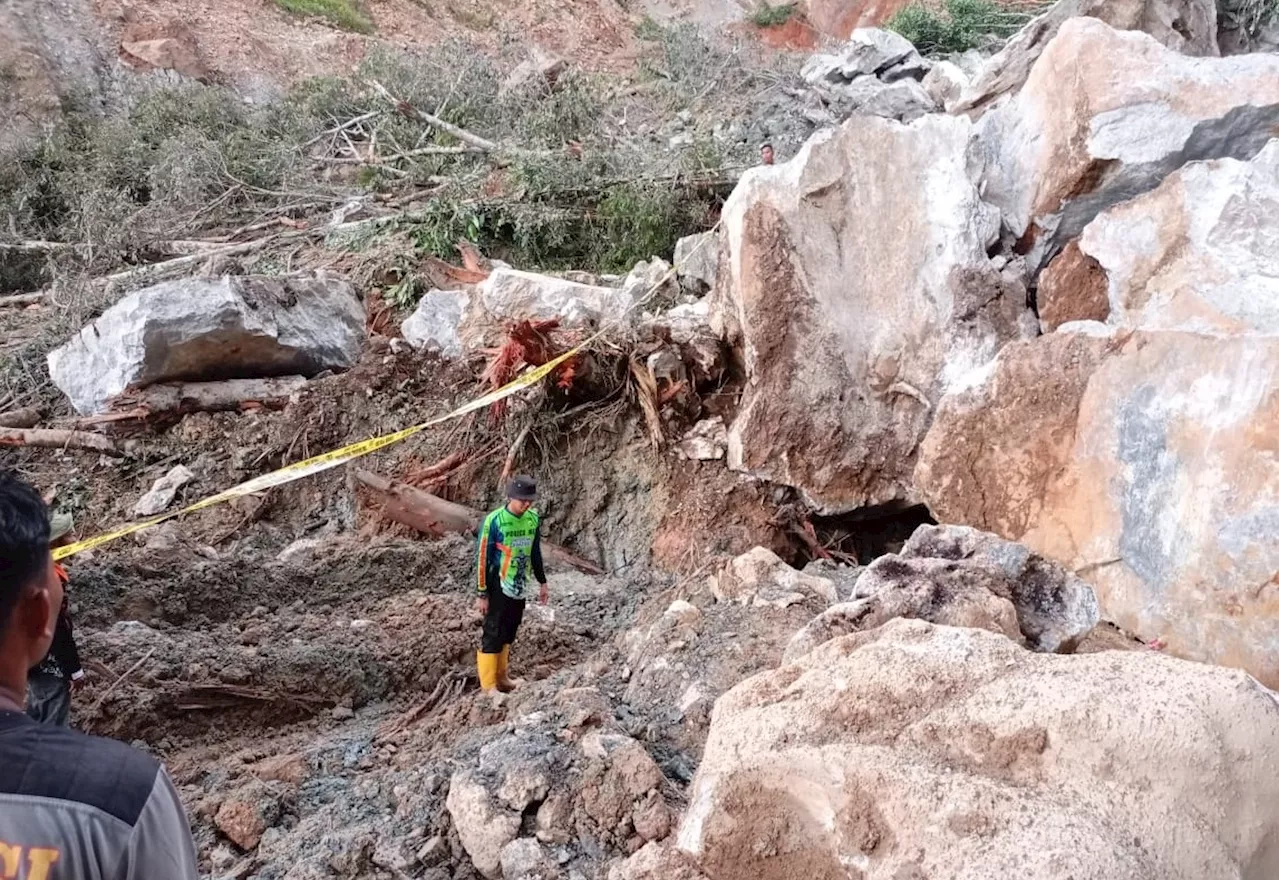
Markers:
61,525
30,590
766,154
522,491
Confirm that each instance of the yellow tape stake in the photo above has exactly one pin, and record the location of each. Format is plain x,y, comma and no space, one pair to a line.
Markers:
324,461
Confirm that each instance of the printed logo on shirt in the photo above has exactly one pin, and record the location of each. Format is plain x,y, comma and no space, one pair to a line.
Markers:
36,860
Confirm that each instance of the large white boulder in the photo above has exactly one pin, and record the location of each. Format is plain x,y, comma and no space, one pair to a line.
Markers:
1143,461
916,750
203,329
696,258
1106,115
436,322
513,295
1186,26
857,290
1199,253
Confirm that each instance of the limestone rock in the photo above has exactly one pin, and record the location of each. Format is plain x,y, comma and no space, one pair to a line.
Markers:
944,84
225,328
758,577
867,52
1055,609
541,70
1072,287
696,258
618,784
1105,115
247,814
1186,26
434,324
162,492
959,576
927,589
1143,461
650,280
525,859
846,352
512,295
705,441
483,827
1198,253
917,750
904,100
656,862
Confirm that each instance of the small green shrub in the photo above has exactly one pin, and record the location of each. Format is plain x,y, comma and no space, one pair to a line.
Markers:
959,26
346,14
766,15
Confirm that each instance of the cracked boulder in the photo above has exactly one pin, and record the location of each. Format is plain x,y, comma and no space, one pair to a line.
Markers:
234,327
1198,253
846,352
1106,115
915,750
875,73
1144,462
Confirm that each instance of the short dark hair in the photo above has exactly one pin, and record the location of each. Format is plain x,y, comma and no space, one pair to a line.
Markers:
766,144
24,540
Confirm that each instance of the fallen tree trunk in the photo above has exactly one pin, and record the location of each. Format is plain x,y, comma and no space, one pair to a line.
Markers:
180,398
21,299
58,439
27,417
433,515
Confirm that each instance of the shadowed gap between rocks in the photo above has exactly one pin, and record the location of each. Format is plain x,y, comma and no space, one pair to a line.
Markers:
866,533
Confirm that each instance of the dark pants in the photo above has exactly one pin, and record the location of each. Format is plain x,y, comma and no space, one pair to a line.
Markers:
501,623
49,698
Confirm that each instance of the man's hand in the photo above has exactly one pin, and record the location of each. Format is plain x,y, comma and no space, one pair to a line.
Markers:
482,606
544,594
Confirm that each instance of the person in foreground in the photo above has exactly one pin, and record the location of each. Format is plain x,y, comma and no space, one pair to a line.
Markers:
72,807
509,545
51,681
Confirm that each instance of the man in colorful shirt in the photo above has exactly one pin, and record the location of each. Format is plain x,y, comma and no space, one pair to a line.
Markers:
509,550
50,683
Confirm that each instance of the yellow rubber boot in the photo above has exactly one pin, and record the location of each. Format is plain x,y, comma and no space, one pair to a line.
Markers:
505,684
487,669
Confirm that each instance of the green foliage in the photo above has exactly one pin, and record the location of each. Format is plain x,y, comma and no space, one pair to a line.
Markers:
345,14
961,25
195,161
405,293
766,15
633,224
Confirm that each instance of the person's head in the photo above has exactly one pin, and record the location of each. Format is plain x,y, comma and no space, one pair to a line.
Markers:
766,153
522,491
30,590
60,527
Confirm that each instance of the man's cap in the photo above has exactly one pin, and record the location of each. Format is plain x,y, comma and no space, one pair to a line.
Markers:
522,488
60,525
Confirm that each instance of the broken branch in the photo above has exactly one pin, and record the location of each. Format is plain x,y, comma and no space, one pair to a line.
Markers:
58,439
27,417
20,299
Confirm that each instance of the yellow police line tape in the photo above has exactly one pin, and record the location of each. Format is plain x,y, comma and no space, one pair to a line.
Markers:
324,461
